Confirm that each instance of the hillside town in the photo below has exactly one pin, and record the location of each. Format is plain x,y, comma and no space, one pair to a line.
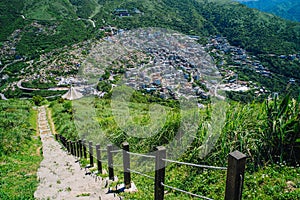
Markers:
165,65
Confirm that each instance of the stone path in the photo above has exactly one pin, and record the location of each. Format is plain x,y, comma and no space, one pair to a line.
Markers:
60,176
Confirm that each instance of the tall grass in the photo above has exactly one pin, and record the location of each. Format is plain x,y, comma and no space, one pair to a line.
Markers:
266,132
19,150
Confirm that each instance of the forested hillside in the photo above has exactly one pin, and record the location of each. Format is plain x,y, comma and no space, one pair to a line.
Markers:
243,26
31,28
288,9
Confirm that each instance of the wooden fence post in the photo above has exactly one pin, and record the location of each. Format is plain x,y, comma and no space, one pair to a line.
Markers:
160,164
110,162
126,165
80,148
73,148
77,147
84,148
63,141
91,154
60,138
68,146
99,162
235,175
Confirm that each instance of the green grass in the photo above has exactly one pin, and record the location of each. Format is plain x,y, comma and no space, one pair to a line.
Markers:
256,129
20,154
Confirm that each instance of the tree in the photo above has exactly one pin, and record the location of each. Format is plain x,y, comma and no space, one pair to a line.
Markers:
38,100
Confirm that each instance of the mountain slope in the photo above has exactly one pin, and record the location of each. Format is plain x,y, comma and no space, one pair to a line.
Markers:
48,10
288,9
243,26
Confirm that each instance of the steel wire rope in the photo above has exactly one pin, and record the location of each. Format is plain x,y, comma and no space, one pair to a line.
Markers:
186,192
195,165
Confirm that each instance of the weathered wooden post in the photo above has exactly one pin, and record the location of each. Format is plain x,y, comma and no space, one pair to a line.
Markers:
99,162
110,162
91,154
160,166
68,146
72,147
84,148
60,138
235,175
75,150
80,148
126,165
63,141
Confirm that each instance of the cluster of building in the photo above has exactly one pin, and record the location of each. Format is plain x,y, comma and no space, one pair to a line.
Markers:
239,56
167,74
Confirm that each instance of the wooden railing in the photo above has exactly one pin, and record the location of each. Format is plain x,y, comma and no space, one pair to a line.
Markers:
234,178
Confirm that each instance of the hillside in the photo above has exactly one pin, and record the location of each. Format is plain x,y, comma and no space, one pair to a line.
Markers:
202,78
243,26
37,32
288,9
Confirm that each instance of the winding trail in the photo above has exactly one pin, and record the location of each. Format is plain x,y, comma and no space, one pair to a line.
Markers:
59,175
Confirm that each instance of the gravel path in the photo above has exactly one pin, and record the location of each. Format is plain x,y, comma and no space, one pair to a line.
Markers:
60,176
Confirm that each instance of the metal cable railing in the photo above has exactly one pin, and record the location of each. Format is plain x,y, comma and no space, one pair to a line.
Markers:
142,155
235,169
117,151
195,165
186,192
140,173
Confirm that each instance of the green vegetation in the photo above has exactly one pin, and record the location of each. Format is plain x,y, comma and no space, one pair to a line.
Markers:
267,132
288,9
48,26
65,33
18,93
19,150
10,18
85,8
38,84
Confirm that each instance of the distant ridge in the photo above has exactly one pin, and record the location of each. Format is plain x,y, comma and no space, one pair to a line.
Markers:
288,9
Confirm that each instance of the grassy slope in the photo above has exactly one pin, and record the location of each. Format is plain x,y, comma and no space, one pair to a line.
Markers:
20,154
245,129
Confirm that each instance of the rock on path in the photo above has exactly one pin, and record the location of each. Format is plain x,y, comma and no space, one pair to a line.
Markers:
59,175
